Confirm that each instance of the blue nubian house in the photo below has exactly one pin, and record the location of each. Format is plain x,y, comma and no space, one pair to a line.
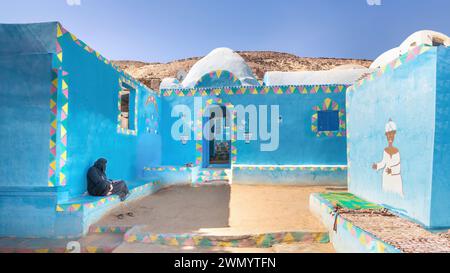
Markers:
63,105
59,106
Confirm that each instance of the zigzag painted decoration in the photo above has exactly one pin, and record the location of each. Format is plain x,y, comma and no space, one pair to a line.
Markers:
59,110
218,76
395,64
107,229
327,105
208,175
259,240
366,239
256,90
52,169
63,116
199,130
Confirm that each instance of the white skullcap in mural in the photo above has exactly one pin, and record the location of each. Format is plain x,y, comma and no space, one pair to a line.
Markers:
391,126
391,163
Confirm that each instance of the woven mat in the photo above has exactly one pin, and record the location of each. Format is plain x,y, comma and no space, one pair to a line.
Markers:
349,201
405,235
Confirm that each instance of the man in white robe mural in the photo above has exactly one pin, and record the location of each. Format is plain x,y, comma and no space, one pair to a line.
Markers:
392,178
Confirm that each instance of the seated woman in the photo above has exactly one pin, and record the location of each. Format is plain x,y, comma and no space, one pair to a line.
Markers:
100,185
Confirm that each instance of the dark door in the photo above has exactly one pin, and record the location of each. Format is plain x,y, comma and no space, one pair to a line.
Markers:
220,145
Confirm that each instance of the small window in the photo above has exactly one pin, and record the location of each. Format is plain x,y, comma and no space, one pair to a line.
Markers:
328,121
127,107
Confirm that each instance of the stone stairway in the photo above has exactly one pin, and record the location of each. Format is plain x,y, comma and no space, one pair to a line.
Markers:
224,237
213,176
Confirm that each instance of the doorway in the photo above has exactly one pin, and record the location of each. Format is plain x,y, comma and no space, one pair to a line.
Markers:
218,145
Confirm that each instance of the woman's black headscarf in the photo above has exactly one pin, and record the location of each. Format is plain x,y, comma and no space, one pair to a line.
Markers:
101,164
98,184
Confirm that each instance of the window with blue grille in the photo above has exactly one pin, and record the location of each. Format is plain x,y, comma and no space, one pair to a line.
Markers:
328,121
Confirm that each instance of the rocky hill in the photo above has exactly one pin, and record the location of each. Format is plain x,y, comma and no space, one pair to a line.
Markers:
260,61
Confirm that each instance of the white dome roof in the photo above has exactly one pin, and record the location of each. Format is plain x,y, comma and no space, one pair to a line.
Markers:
427,37
169,83
386,58
423,37
348,67
220,59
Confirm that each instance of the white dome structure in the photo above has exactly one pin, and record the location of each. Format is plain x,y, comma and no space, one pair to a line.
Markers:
220,59
423,37
386,58
348,66
170,83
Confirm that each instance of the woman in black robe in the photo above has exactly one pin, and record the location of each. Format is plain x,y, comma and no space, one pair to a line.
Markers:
100,185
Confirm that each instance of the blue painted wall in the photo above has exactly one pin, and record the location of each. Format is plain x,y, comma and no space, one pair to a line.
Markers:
17,39
25,127
27,213
440,201
25,81
27,204
175,153
408,96
92,122
288,177
149,142
298,145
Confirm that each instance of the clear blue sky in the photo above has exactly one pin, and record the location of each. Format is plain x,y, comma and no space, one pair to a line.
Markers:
164,30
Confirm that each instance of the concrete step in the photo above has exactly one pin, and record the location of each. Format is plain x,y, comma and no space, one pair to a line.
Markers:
212,175
97,229
223,237
148,248
279,248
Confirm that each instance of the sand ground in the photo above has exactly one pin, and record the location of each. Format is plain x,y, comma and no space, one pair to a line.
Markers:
240,207
225,209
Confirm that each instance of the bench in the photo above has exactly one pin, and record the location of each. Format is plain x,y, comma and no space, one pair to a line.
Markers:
73,217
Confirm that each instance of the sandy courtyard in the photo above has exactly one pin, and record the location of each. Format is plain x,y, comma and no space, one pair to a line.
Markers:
224,209
243,208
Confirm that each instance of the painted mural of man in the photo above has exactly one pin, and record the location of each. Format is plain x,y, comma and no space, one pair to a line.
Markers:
392,178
